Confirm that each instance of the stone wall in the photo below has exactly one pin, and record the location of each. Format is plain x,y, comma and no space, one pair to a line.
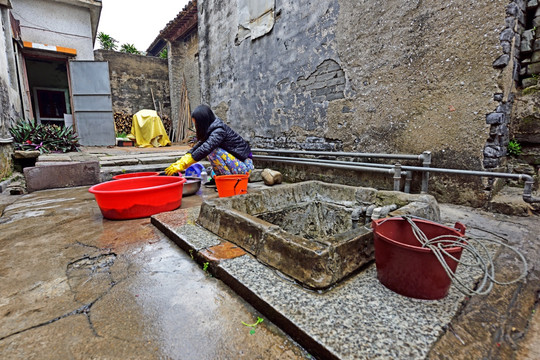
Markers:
394,76
134,78
183,64
525,119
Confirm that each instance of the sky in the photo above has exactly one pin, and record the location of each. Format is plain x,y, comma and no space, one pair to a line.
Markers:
136,22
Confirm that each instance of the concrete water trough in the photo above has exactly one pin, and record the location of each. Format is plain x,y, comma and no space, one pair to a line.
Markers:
316,233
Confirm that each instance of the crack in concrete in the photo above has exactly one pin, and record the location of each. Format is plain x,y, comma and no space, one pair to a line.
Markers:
92,246
83,309
89,265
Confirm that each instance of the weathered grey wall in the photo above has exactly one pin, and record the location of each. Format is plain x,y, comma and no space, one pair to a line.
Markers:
183,64
369,76
10,104
134,78
265,83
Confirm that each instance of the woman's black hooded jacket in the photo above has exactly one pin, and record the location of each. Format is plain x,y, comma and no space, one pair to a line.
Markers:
222,136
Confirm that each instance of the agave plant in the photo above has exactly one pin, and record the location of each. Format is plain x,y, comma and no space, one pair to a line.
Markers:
30,135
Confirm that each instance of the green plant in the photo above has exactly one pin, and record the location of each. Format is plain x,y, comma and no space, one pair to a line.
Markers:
129,48
22,130
107,42
163,54
30,135
514,148
205,267
253,326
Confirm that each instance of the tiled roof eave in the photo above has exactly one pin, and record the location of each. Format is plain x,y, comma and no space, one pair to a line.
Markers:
181,25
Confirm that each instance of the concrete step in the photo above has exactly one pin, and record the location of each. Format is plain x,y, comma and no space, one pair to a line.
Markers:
111,165
509,201
107,172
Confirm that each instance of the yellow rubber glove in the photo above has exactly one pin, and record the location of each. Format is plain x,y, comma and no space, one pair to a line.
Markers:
181,165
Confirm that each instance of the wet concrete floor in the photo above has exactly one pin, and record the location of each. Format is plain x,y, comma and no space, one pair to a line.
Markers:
77,286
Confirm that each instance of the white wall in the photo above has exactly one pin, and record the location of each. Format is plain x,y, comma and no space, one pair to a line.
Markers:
52,23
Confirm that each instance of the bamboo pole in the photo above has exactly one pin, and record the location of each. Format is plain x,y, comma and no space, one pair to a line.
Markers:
184,114
153,100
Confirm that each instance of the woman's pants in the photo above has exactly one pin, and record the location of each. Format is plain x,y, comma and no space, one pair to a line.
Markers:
224,163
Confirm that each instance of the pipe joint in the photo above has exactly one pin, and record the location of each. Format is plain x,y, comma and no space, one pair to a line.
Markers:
527,192
426,158
369,212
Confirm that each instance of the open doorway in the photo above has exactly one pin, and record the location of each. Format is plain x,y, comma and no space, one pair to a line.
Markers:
49,90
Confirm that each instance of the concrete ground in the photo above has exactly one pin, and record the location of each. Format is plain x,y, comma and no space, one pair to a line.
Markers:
75,285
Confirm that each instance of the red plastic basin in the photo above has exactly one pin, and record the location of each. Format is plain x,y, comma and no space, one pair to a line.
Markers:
139,196
135,174
407,268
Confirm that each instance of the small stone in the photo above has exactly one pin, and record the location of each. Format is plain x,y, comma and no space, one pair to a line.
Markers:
502,61
26,154
527,82
507,35
535,56
494,118
512,9
271,177
536,44
506,47
527,39
255,175
533,68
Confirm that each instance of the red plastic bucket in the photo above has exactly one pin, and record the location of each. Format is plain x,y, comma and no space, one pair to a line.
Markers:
138,197
135,174
407,268
230,185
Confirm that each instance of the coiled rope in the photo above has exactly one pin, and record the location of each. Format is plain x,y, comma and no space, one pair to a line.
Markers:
477,249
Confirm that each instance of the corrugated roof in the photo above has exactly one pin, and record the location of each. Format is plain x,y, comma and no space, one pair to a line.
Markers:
182,24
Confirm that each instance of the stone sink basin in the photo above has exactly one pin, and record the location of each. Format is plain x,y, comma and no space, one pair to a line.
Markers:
305,230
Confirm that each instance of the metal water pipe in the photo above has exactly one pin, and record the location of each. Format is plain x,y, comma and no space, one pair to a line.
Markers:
394,170
350,154
425,157
527,189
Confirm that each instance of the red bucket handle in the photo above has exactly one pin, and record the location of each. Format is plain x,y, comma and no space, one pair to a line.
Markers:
460,227
234,189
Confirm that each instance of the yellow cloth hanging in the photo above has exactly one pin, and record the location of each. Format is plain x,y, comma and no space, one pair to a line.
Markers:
147,130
